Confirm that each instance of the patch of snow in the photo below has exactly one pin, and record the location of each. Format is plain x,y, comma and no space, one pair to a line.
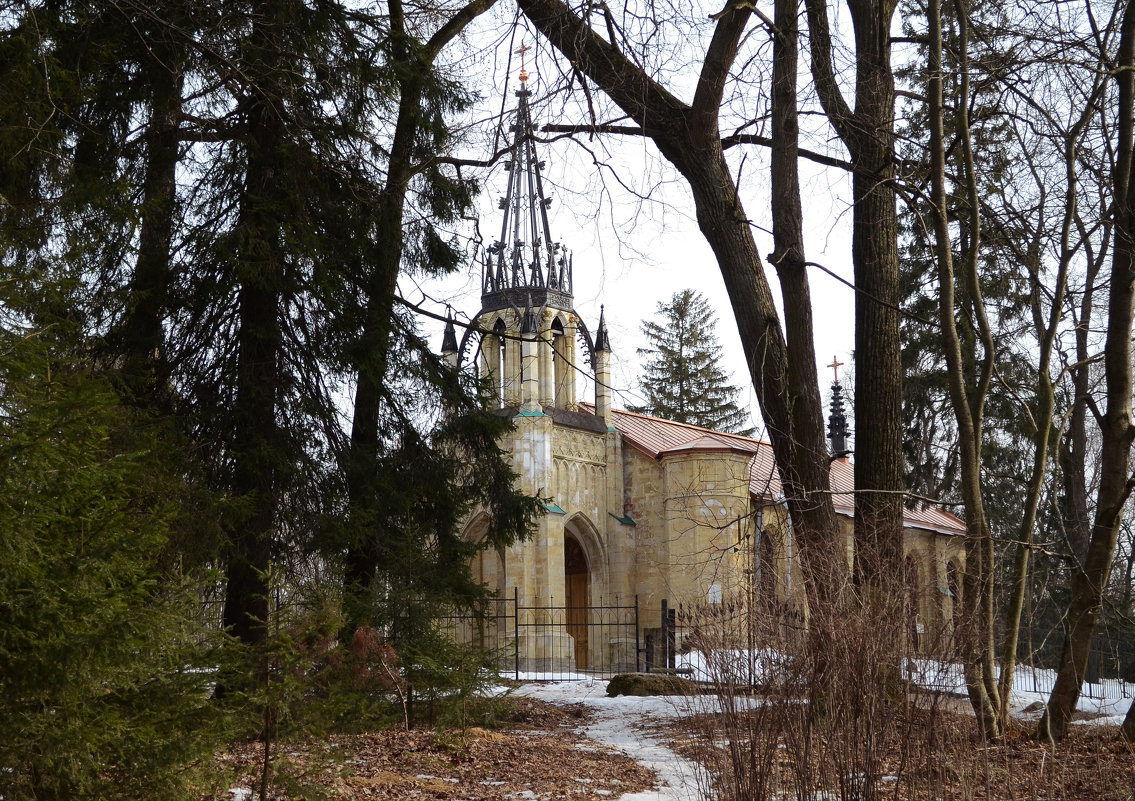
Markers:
1104,700
240,793
614,724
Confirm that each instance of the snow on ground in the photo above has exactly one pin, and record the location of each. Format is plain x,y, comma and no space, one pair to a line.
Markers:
615,723
1105,702
616,720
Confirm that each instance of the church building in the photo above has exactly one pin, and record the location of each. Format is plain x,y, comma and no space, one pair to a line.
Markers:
636,506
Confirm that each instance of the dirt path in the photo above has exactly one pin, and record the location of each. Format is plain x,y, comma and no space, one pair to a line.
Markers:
619,722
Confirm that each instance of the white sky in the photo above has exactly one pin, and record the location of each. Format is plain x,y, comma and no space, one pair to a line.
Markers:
630,254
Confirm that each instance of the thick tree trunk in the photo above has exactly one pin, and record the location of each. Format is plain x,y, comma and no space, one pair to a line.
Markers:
260,273
1091,577
827,568
868,134
142,332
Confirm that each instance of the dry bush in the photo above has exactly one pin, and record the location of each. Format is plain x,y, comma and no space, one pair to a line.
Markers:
821,704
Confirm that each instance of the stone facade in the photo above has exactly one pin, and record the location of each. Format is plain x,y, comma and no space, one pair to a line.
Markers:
637,507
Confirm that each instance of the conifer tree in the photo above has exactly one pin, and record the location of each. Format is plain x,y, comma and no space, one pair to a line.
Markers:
683,379
105,663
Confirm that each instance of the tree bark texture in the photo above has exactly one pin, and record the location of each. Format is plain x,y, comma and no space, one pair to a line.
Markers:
687,136
827,568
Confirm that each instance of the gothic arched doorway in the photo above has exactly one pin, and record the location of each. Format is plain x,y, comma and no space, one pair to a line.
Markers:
577,581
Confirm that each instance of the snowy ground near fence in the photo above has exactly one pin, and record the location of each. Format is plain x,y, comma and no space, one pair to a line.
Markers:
616,722
1106,701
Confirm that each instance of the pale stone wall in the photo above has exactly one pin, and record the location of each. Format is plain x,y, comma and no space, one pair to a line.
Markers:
696,534
706,510
643,487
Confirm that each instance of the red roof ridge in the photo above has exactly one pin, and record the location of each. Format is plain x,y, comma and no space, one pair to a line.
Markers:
591,408
714,441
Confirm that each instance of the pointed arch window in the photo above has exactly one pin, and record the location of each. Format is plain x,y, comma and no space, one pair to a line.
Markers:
561,362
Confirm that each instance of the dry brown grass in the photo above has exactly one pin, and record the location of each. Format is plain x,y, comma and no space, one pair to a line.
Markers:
536,750
1092,764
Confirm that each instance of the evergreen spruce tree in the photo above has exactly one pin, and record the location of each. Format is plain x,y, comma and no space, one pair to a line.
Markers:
105,664
683,379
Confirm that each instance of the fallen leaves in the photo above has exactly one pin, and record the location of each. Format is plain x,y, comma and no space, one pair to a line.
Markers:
537,756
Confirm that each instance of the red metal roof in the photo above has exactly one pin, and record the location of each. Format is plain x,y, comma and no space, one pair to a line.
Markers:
656,438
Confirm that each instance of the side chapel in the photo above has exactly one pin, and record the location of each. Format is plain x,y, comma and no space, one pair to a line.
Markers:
636,505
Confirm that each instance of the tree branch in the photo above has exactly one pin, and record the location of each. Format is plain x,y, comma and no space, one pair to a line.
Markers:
719,57
447,32
823,72
644,100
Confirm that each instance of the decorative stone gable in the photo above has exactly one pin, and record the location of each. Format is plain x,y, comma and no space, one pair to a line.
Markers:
580,446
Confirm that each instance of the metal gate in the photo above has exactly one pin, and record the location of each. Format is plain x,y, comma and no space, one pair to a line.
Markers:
550,642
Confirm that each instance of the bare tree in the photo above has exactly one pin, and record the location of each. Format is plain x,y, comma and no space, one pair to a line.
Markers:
1090,577
687,134
867,131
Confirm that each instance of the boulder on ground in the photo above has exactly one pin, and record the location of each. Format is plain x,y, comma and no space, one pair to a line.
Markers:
649,684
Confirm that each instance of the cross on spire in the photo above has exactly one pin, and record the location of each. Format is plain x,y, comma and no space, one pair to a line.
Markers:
835,365
524,48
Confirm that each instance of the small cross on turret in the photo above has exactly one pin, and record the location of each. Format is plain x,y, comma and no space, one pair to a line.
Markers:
837,421
835,365
524,48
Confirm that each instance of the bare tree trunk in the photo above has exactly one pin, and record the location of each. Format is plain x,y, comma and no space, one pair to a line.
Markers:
978,639
1043,413
687,135
827,568
1091,577
868,133
1128,728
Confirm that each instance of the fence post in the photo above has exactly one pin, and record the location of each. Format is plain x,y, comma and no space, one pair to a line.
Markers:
672,640
516,632
636,651
665,635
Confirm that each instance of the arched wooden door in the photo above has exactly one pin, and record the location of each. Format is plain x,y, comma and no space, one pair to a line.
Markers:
577,580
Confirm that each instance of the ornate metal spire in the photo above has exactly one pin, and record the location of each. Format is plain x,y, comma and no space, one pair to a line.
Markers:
449,338
837,421
525,260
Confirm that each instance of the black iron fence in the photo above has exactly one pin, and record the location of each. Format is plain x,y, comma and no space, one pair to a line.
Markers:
735,630
549,642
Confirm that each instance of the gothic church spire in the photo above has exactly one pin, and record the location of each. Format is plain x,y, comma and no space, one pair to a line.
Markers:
524,262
